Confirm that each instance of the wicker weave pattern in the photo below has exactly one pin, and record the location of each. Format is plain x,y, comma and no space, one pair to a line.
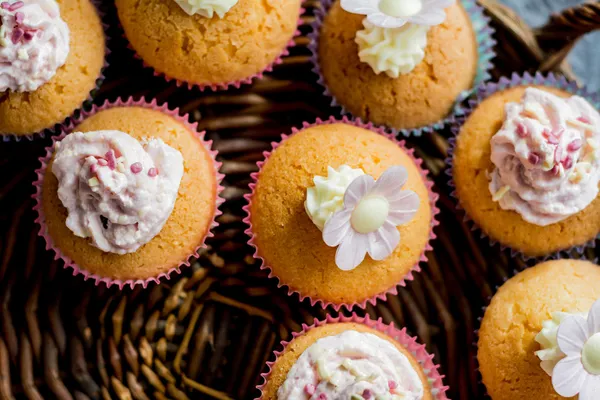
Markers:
208,332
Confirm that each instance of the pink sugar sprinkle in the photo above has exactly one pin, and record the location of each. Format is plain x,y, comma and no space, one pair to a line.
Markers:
584,119
392,385
102,162
136,168
5,5
555,170
309,389
19,17
152,172
558,154
17,35
322,396
533,158
28,35
568,162
522,130
94,168
552,139
558,133
111,159
367,394
575,145
16,6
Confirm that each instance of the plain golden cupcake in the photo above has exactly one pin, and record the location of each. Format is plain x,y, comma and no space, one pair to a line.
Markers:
353,358
526,166
341,214
209,43
540,335
130,195
51,56
402,64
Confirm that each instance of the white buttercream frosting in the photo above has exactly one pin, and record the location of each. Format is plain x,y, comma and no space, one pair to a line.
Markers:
34,43
393,51
118,191
352,365
549,353
327,196
207,8
546,157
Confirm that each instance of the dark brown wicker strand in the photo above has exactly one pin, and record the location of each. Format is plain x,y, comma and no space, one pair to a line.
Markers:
208,332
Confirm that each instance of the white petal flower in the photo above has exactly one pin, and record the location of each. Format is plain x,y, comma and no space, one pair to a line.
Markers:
368,222
579,371
397,13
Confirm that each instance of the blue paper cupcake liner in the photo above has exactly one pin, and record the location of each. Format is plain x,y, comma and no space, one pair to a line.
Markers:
481,93
87,104
485,49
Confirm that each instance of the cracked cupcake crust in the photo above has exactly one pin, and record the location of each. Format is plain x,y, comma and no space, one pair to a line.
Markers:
506,348
31,112
422,97
209,51
472,165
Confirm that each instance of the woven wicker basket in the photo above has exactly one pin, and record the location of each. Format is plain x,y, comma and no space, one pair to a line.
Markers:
208,332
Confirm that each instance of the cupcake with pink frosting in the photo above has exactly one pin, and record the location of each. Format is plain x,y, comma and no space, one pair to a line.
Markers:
352,358
51,56
526,165
129,194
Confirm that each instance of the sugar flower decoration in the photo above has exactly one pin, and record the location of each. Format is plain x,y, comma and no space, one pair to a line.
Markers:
579,372
368,221
397,13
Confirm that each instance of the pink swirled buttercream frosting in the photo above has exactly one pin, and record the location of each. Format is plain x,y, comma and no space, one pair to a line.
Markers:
546,157
352,365
118,191
34,43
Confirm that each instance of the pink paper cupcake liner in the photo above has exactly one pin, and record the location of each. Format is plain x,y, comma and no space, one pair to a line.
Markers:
224,85
485,48
60,126
38,184
481,93
433,197
408,342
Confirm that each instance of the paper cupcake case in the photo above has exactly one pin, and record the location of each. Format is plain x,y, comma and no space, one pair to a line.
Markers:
38,184
485,49
60,126
410,343
433,197
226,85
481,93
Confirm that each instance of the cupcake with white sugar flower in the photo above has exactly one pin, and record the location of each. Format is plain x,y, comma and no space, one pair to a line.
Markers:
526,164
128,193
341,213
352,358
401,64
540,335
51,58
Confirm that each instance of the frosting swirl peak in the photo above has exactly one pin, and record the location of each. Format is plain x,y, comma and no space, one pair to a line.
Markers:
118,191
34,43
546,157
352,365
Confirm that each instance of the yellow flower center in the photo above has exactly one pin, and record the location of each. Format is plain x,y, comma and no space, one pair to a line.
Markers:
400,8
370,214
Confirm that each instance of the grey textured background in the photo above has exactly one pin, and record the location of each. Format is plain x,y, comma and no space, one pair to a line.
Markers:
585,58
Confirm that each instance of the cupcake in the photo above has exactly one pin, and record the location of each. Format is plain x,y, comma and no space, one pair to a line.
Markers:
352,358
526,165
51,55
129,195
402,64
209,43
341,213
540,335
